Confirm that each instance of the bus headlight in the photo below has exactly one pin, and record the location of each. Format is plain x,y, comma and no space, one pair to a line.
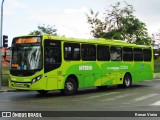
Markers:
36,79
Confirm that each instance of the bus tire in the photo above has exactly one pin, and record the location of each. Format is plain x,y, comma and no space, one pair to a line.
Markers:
127,81
42,92
70,87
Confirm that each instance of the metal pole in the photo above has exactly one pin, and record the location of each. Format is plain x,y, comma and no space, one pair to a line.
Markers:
1,33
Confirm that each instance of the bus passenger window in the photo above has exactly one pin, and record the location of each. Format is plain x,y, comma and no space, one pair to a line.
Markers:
138,54
147,54
88,52
71,51
127,54
103,53
116,53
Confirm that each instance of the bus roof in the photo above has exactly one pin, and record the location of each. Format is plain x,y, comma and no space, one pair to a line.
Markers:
91,41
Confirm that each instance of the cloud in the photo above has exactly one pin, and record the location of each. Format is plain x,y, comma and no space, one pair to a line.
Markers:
10,6
69,22
72,11
23,16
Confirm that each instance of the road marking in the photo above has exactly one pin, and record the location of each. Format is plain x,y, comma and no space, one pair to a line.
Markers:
96,96
101,95
156,103
115,98
145,97
141,98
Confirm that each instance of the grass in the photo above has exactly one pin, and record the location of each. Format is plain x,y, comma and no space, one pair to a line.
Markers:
5,75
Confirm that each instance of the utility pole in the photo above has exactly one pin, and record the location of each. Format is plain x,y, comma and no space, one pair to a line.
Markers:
1,34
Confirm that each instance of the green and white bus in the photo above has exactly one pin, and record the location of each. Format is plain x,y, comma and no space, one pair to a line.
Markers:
47,62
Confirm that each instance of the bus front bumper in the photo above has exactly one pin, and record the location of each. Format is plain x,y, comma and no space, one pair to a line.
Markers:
27,86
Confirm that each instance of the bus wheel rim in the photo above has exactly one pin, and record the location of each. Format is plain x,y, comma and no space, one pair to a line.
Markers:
69,86
127,81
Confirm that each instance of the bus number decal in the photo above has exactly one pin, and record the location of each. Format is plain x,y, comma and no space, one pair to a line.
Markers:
118,68
82,67
123,67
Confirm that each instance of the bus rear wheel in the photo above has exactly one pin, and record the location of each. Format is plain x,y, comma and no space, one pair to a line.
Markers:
127,81
70,87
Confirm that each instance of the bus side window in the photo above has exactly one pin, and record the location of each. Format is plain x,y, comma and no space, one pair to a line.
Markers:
127,54
138,54
88,52
116,53
147,54
103,53
71,51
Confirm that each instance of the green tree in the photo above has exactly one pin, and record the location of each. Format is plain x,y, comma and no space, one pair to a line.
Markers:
43,29
119,23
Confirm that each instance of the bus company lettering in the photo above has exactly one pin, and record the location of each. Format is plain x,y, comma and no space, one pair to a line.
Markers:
85,67
117,68
123,67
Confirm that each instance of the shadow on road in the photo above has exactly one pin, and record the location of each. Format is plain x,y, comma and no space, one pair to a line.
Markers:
29,95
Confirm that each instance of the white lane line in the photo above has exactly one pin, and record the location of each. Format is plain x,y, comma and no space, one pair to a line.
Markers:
156,103
116,97
96,96
145,97
101,95
142,98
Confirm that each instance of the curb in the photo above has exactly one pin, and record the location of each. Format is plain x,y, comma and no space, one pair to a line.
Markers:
8,90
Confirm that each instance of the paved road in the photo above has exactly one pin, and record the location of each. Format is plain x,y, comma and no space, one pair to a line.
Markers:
144,96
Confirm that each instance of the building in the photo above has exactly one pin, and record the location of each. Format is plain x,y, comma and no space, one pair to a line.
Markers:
5,63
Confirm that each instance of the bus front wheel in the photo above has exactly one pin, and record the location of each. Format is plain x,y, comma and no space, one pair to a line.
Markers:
70,87
127,81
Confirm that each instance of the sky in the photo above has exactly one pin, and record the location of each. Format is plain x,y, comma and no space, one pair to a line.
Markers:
69,16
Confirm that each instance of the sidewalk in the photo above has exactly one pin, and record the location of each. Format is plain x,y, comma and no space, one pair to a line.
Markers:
156,75
6,89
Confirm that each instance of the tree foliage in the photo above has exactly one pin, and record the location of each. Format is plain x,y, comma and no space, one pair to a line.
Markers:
43,29
119,23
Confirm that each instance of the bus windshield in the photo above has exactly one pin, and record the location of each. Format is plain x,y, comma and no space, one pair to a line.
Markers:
26,57
26,54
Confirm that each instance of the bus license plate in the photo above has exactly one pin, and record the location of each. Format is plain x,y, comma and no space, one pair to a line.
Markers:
19,85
